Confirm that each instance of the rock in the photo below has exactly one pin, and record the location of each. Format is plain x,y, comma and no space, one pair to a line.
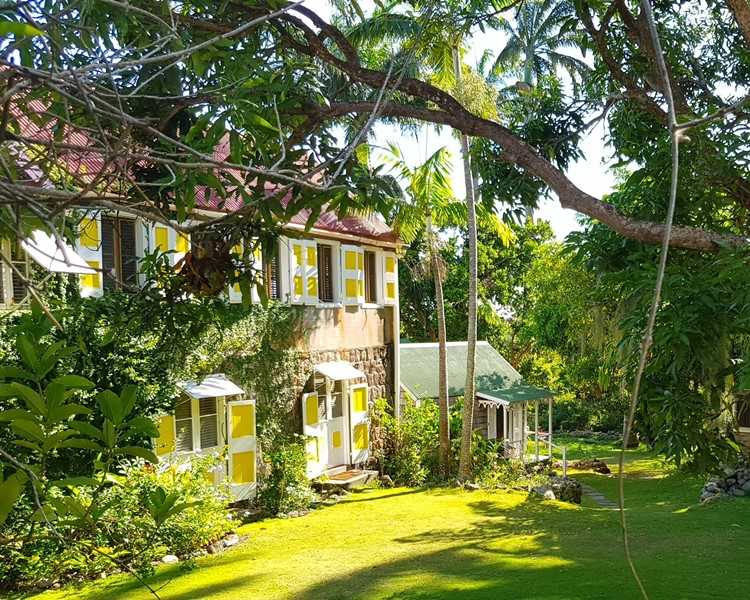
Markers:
711,487
471,486
386,481
231,540
549,495
712,498
746,486
738,492
169,559
566,489
215,547
728,471
329,501
594,464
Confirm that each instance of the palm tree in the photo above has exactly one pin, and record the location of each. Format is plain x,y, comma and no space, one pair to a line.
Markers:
542,28
431,204
441,56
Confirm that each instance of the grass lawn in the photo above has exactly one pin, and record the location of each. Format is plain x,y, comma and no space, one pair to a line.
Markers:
446,543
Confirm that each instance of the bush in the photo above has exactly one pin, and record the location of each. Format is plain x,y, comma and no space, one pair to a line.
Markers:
286,487
127,535
204,520
406,448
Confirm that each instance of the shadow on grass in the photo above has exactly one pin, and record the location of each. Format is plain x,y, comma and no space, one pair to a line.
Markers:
127,586
531,550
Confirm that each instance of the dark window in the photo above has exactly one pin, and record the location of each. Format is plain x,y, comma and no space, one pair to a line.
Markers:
20,262
743,414
325,273
271,276
371,279
119,258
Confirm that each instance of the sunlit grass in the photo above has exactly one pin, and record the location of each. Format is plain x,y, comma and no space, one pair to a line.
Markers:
448,543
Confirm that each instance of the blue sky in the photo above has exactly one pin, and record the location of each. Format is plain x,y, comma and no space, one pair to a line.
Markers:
591,173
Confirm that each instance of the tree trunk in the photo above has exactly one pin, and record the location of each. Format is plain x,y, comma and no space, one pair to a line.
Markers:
467,428
444,450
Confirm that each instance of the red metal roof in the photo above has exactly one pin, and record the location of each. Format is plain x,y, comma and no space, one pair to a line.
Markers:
86,165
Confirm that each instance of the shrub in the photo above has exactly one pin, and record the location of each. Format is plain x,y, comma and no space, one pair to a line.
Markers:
286,487
205,517
406,448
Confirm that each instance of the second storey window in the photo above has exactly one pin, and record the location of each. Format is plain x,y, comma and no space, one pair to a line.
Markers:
371,278
271,276
325,273
13,289
119,258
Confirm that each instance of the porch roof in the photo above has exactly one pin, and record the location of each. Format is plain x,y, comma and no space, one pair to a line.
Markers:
212,386
496,380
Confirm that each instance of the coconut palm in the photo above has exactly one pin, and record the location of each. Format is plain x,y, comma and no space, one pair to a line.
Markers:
430,204
440,50
536,38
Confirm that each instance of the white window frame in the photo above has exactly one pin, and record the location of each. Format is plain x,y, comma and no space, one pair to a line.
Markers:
6,273
335,274
379,293
195,425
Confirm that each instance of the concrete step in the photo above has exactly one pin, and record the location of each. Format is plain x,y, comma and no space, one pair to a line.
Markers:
348,479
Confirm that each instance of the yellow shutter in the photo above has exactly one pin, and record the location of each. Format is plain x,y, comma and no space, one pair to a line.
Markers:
390,290
89,233
165,441
243,467
91,280
161,238
350,260
183,243
311,409
359,399
336,439
360,436
390,264
243,418
351,288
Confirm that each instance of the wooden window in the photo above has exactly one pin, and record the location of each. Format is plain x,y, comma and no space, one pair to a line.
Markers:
13,288
371,278
183,419
119,258
743,413
209,423
271,275
325,273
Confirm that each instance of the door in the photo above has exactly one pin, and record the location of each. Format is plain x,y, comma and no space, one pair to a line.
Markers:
336,425
359,424
241,440
314,427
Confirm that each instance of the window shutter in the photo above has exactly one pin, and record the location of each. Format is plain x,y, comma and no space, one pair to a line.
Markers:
242,448
390,278
325,273
311,272
353,276
257,271
297,271
235,293
164,444
89,247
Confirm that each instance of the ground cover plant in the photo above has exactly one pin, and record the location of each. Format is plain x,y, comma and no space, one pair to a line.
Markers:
437,543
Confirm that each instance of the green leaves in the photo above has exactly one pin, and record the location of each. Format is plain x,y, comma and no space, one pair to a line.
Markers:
18,29
10,491
162,505
115,408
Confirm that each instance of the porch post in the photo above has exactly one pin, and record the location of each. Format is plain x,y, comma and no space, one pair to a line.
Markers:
549,426
536,429
505,423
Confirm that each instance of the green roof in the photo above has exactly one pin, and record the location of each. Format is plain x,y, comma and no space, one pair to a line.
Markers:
495,377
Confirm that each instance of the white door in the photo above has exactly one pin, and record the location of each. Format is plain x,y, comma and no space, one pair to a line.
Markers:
359,425
315,428
241,440
336,425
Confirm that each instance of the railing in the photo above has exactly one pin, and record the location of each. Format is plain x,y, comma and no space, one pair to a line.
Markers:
517,449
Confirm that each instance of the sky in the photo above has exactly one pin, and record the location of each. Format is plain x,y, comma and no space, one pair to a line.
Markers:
590,173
